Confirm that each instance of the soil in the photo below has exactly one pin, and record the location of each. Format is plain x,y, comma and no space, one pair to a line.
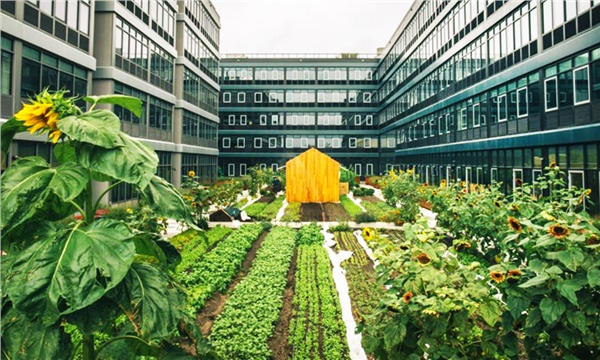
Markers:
312,212
213,307
371,198
266,199
335,212
278,343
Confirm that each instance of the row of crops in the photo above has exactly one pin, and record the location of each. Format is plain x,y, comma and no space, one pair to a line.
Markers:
313,326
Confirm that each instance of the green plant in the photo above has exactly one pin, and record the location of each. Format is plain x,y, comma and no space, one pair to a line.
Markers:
88,272
399,189
265,211
194,244
351,208
349,176
258,178
316,309
364,217
340,227
363,191
310,235
248,320
433,305
292,212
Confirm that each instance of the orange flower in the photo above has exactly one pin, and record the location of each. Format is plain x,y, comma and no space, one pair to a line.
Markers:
497,276
407,296
552,164
559,231
514,273
518,182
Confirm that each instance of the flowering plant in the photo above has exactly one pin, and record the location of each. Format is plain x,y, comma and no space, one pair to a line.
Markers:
400,189
91,271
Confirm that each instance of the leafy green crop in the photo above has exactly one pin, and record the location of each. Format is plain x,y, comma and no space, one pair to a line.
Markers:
218,267
197,245
351,208
248,320
292,212
310,235
316,309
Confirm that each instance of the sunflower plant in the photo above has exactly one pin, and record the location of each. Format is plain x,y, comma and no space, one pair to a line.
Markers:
434,305
89,272
400,189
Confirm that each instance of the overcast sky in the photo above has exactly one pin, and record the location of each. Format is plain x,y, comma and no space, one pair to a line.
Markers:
308,26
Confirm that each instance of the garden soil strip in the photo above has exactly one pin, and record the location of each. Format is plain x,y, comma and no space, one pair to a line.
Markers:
335,212
341,284
213,307
365,246
280,349
311,212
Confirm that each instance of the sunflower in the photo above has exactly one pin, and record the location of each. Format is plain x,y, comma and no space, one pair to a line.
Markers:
497,276
423,259
407,296
514,224
559,231
443,183
547,216
40,116
552,164
191,173
462,245
425,184
518,182
514,273
367,234
515,207
194,204
592,240
464,190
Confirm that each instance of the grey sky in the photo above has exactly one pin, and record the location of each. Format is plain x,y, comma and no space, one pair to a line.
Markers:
308,26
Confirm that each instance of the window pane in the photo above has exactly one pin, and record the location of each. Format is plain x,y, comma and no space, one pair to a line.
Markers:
30,78
72,14
581,85
84,18
551,94
6,73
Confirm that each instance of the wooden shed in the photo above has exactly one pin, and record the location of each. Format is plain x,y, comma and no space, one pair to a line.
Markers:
312,177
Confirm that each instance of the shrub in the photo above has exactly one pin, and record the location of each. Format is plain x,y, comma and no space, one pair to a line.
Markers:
364,217
362,191
399,189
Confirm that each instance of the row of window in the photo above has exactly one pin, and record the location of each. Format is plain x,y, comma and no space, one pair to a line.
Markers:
564,19
40,69
197,91
246,74
156,113
198,130
138,55
564,84
197,12
199,54
156,13
303,141
301,96
275,165
300,119
204,166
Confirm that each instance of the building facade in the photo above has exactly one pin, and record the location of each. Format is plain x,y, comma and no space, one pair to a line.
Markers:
164,52
478,91
273,109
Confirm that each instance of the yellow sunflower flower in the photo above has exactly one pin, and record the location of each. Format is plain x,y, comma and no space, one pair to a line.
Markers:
367,234
407,296
191,173
514,224
39,116
423,259
497,276
559,231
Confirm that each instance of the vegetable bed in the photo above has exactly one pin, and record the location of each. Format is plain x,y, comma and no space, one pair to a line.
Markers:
250,314
316,330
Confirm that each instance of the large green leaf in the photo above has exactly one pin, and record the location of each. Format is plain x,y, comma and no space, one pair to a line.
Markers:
593,277
128,102
98,127
28,183
551,310
490,311
25,338
516,305
71,270
147,293
567,288
394,335
9,130
145,245
134,162
65,151
165,200
538,280
571,259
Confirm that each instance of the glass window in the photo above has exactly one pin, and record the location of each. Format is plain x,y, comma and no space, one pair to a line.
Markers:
352,142
369,120
551,93
272,143
226,142
241,97
231,119
263,119
522,102
243,119
226,97
84,17
258,97
258,143
547,16
241,142
502,111
72,13
581,85
476,115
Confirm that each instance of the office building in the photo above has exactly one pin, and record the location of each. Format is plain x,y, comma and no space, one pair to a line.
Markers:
164,52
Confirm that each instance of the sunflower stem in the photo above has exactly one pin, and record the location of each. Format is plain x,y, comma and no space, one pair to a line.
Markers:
90,210
88,347
105,192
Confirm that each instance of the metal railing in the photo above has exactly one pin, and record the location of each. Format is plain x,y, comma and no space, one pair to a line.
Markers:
299,56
